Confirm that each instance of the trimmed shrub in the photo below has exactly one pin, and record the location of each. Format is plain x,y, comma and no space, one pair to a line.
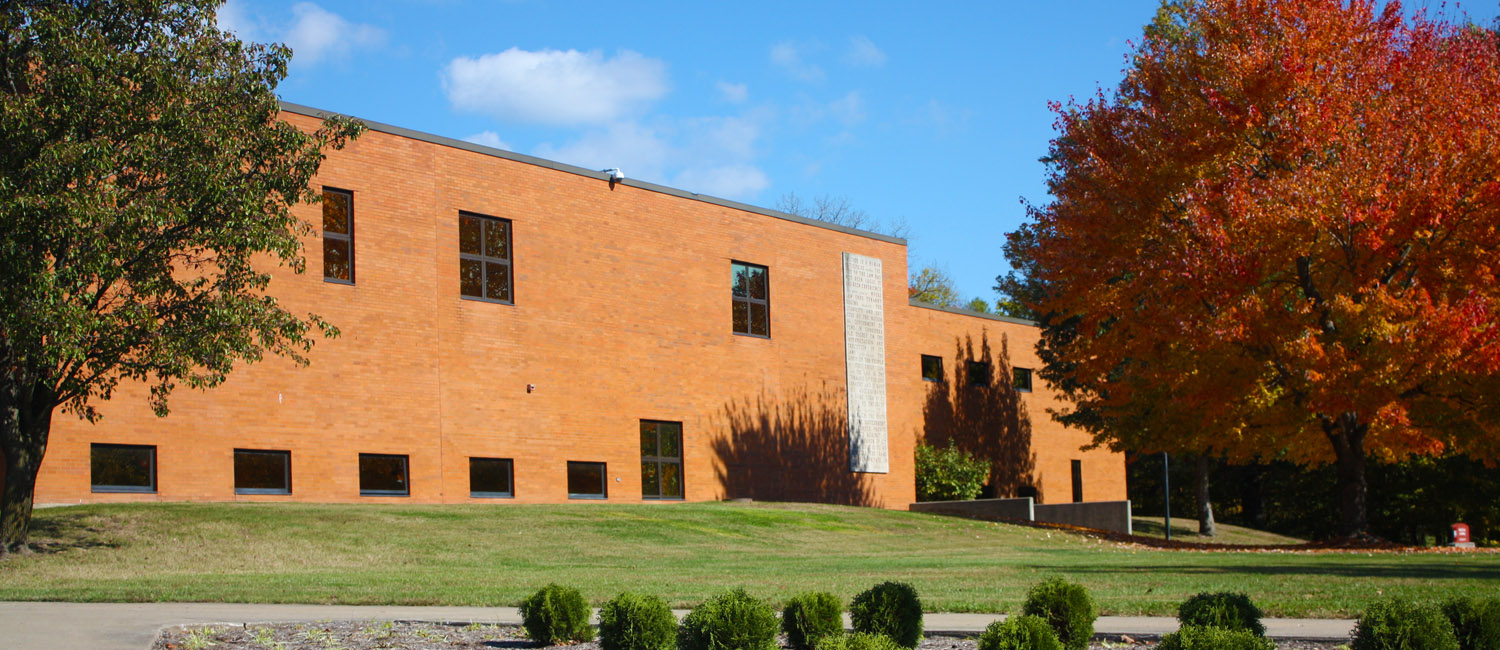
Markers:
857,641
1223,610
810,617
949,474
1019,633
556,613
1476,622
731,621
1196,637
1068,609
637,622
889,608
1400,624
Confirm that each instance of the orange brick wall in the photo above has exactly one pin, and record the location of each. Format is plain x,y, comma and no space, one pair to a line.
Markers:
622,313
1012,428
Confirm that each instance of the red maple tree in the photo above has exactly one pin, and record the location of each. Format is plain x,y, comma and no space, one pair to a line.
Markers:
1279,238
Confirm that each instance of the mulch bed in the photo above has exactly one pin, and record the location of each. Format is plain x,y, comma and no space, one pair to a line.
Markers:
409,635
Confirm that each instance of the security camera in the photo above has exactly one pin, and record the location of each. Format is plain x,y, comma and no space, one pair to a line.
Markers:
615,175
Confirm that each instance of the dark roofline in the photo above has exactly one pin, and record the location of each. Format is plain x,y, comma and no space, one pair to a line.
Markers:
562,167
968,312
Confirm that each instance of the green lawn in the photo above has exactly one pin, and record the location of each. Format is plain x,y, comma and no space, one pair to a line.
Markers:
495,555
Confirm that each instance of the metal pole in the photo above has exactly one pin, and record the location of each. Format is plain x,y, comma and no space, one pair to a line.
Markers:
1166,491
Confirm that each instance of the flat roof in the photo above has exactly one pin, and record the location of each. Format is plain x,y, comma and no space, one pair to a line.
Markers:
580,171
969,312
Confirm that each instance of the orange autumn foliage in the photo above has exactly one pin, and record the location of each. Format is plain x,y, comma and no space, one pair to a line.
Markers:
1280,237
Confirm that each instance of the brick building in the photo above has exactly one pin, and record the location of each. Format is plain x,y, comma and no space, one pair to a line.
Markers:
516,330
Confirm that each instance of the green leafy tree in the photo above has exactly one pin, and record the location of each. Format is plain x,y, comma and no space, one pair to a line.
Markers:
978,304
145,184
932,286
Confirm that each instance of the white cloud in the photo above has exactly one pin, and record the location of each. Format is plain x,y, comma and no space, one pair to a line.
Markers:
554,86
317,34
488,139
639,151
728,181
734,93
313,33
862,53
787,55
235,18
849,109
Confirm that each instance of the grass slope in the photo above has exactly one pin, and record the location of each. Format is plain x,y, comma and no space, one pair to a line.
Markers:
487,555
1185,529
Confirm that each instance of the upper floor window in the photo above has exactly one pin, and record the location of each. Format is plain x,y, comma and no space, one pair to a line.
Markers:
932,368
979,373
338,235
484,257
751,300
1022,379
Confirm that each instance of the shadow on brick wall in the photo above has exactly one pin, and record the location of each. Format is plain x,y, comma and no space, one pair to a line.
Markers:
984,415
792,448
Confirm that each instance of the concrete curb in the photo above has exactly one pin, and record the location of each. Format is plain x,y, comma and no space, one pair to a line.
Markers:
135,626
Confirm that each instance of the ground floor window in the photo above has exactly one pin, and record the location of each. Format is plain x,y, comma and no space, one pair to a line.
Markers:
587,480
491,477
1077,481
260,471
383,475
661,460
122,468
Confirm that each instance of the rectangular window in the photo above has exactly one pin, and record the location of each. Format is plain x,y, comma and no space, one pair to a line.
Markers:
1022,378
491,478
1077,481
484,270
383,475
979,373
586,480
751,299
122,468
338,235
661,460
932,368
262,472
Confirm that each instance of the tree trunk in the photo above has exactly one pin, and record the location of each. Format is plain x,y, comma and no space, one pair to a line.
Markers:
1348,437
1205,506
25,420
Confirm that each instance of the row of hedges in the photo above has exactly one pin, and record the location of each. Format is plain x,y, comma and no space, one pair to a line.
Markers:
1057,615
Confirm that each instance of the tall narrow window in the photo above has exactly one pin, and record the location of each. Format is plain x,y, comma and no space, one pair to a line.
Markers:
1077,481
122,468
587,480
383,475
661,460
338,235
484,264
1022,377
751,301
932,368
491,477
262,472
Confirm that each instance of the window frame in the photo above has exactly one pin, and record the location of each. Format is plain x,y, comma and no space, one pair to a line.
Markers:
486,494
660,461
1077,471
749,301
485,260
979,379
286,457
603,481
122,489
1017,373
336,236
405,473
939,361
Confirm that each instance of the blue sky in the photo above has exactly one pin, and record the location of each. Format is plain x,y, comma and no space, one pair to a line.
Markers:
929,113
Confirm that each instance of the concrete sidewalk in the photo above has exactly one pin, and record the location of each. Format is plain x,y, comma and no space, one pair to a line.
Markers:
134,626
